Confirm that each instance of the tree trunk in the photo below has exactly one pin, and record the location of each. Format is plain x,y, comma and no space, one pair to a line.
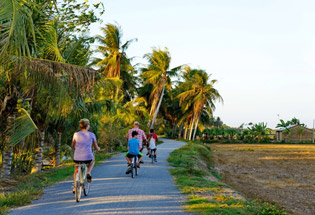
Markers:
8,153
7,162
196,127
158,106
58,149
174,130
180,131
185,133
39,156
191,128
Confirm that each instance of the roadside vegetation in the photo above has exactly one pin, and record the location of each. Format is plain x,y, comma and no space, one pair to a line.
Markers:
207,194
292,131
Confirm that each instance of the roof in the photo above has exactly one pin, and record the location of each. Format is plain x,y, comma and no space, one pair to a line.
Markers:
283,128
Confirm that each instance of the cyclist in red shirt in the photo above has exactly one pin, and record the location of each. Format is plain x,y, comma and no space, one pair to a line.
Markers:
152,143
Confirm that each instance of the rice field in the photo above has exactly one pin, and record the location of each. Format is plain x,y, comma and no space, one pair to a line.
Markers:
282,174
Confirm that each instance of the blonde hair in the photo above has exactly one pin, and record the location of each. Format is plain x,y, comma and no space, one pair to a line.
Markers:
84,123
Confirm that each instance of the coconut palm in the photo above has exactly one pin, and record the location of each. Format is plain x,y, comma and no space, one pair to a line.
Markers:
158,74
115,62
33,70
199,95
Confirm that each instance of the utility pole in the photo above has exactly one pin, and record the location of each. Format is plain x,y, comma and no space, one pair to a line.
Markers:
313,129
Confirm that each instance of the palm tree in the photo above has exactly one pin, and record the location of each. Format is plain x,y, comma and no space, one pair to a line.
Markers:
158,74
283,124
115,62
199,95
33,70
259,130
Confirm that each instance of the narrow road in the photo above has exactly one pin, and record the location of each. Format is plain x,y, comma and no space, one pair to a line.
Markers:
113,192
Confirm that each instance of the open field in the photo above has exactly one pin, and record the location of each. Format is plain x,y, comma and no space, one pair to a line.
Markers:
284,174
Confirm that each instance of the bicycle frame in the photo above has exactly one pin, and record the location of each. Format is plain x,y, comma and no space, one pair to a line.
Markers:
134,166
82,168
80,181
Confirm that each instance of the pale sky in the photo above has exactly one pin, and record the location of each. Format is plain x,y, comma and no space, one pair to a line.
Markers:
262,52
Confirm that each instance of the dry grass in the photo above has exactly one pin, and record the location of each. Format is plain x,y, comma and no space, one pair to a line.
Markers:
284,174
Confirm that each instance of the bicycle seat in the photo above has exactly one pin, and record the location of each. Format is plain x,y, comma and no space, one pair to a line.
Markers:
83,162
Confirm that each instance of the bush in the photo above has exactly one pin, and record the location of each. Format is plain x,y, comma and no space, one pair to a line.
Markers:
268,209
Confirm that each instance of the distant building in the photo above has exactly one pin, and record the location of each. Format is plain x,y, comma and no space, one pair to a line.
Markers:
294,134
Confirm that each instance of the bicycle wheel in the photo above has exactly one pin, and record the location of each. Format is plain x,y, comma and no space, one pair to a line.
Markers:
136,169
78,190
152,156
132,171
86,187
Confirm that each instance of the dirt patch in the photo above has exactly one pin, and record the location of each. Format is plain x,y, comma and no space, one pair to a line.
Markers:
7,185
284,174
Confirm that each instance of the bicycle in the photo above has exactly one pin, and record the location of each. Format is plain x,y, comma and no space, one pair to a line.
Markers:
134,168
81,181
152,151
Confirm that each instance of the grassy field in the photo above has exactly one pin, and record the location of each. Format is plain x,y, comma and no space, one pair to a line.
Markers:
22,190
207,194
284,174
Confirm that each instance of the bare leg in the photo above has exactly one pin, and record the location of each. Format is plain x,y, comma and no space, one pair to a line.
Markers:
139,160
74,174
148,150
90,166
128,159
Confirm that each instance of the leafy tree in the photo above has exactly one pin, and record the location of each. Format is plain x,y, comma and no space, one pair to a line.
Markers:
259,130
199,95
158,74
33,68
115,62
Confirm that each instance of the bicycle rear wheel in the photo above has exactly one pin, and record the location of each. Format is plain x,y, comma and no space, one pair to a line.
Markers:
136,168
77,190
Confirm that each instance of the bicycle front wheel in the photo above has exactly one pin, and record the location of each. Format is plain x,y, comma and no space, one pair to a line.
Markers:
132,171
86,188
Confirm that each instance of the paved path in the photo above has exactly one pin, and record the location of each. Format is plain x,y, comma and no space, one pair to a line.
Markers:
113,192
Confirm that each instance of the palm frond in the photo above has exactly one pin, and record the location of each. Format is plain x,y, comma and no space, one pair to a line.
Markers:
22,127
15,24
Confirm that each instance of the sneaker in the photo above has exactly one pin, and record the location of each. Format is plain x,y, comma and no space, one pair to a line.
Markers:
138,165
141,161
129,164
73,190
147,153
89,178
128,171
155,160
150,156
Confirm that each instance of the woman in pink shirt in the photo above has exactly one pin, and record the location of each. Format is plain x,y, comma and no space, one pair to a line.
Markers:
82,144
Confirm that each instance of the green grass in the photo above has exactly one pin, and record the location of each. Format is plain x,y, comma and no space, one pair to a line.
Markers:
192,164
31,187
